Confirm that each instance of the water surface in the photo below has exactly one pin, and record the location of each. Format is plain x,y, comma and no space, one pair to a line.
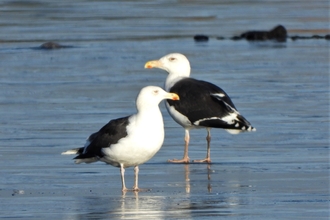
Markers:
51,100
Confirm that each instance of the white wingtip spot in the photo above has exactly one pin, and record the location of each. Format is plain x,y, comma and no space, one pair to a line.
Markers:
243,128
236,125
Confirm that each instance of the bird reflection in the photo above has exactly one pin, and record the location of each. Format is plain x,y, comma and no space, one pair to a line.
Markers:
167,202
129,203
187,173
209,186
187,177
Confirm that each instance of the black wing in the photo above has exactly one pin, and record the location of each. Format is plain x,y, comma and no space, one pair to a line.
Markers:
109,134
203,100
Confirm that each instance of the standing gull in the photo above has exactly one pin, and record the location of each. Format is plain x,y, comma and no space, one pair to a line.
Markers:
129,141
202,104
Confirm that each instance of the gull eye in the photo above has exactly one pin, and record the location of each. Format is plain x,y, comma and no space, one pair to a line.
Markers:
156,92
172,58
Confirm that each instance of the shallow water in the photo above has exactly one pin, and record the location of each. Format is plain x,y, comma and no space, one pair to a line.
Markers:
51,100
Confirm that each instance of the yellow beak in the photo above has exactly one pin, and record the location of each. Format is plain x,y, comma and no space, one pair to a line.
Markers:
173,96
153,64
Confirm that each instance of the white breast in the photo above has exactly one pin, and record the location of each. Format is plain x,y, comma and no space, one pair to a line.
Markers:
145,136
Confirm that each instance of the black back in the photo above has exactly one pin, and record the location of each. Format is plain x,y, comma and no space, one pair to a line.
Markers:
196,101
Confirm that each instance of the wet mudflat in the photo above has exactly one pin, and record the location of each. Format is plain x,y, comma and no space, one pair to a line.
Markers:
51,100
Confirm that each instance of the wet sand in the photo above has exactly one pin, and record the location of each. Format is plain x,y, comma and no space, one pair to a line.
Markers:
251,188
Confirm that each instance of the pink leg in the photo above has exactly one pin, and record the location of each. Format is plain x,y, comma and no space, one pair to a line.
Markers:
208,152
122,172
185,158
136,174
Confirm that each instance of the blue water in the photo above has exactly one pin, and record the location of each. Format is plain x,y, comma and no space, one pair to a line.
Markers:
51,100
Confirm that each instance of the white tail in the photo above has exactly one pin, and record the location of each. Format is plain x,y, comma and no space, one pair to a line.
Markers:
72,151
